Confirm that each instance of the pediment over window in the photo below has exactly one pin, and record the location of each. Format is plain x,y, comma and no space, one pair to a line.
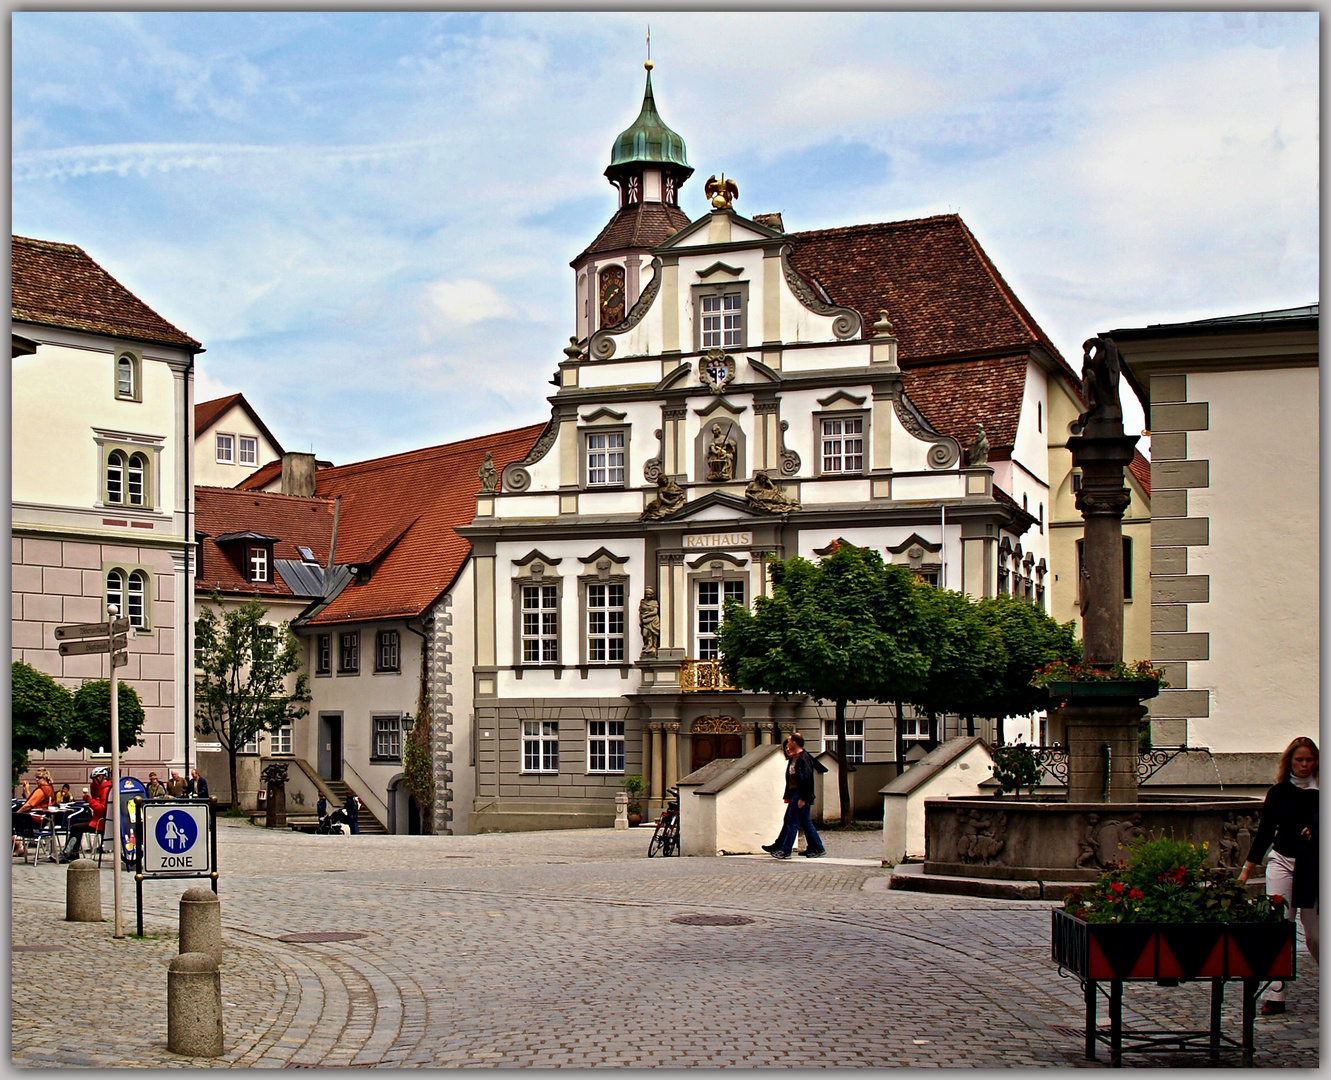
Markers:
709,557
535,555
720,268
915,540
603,413
843,400
604,553
721,403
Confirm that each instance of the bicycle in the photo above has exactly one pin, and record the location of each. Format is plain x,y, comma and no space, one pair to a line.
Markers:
665,840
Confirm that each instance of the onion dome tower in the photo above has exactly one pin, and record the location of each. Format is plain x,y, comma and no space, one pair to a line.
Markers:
648,165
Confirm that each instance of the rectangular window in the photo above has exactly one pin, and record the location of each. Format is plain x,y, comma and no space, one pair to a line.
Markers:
280,741
915,728
226,450
323,648
540,624
605,458
249,450
258,560
712,596
387,738
854,739
1127,568
605,623
843,445
722,320
386,651
348,653
605,746
540,746
251,747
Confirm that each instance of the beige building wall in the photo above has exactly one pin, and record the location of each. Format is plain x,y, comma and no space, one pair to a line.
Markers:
208,471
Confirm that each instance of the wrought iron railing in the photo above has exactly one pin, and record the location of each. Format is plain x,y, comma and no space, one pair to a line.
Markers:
702,675
1054,760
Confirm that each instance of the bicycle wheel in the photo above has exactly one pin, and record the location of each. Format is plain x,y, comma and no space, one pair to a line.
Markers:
671,844
657,846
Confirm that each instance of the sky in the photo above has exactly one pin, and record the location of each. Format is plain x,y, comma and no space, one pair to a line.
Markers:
367,218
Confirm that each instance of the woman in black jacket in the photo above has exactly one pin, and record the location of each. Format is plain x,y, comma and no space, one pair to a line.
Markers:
1289,829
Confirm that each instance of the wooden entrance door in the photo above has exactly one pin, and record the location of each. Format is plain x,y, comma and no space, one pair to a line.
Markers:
715,737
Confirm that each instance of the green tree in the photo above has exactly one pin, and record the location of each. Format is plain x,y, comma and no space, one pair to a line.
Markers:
844,629
40,713
966,654
90,716
1031,638
242,666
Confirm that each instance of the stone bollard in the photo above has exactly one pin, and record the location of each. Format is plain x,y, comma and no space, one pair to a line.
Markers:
201,923
83,892
622,810
194,1006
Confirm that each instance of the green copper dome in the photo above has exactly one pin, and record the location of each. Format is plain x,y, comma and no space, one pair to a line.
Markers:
648,139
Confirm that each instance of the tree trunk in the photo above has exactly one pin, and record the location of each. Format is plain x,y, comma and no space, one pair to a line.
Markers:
231,756
843,775
970,725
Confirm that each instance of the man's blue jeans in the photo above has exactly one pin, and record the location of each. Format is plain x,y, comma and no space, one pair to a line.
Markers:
797,818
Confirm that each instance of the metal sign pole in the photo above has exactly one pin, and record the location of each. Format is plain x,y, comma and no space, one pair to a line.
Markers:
113,612
212,834
138,864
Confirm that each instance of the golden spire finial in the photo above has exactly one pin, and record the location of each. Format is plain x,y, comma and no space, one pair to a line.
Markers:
649,65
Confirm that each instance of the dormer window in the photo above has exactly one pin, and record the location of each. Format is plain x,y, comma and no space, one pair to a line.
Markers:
257,562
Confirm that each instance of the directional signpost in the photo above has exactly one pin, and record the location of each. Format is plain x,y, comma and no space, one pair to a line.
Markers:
110,637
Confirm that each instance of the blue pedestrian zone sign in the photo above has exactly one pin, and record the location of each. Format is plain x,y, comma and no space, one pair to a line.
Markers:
177,838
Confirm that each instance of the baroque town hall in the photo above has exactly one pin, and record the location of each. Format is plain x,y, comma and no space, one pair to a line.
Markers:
734,394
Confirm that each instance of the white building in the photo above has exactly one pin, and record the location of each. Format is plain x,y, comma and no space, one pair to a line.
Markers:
102,416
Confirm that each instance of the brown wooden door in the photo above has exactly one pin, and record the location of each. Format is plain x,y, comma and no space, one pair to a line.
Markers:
710,747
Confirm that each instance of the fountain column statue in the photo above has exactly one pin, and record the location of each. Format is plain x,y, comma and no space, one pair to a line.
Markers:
1102,732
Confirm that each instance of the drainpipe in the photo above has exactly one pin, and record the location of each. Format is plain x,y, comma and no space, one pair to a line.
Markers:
942,582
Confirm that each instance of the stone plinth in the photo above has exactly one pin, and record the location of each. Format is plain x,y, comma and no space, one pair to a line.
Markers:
1039,840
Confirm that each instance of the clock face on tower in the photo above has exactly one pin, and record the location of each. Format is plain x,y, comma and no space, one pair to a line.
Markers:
612,295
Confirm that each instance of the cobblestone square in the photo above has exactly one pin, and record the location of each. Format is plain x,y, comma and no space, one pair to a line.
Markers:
568,949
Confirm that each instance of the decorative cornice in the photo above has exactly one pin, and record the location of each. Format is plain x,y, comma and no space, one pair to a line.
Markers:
841,395
592,417
720,403
722,268
673,377
535,554
604,552
765,371
716,556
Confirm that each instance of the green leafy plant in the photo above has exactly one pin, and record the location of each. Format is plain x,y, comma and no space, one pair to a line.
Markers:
1083,671
1016,767
633,784
40,709
1164,880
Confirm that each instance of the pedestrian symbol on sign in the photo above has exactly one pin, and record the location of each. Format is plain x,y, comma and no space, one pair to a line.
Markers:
176,832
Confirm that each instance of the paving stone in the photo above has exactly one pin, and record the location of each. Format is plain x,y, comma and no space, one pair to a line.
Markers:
560,949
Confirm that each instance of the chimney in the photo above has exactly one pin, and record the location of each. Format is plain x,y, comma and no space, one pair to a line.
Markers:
298,474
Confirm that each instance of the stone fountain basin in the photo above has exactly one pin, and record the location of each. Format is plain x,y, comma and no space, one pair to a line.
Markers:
1047,840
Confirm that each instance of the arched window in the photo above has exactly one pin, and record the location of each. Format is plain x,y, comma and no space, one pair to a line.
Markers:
125,377
115,591
138,469
115,477
138,587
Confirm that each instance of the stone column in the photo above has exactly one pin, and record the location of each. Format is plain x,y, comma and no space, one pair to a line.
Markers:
657,789
648,758
672,755
750,735
1091,725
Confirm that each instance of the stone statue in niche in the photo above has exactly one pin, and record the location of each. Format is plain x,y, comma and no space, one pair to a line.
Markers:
649,622
978,451
669,498
763,494
489,474
721,454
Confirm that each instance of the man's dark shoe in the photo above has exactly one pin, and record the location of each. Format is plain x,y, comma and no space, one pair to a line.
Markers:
771,849
811,854
1271,1008
779,854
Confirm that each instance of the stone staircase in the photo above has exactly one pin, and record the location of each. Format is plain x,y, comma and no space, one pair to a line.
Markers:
336,792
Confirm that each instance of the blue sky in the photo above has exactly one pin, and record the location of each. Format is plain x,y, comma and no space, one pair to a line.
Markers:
367,218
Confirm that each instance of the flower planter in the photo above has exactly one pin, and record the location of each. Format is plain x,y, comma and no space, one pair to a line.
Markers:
1173,951
1136,689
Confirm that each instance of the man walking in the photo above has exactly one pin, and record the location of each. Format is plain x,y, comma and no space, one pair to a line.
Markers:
799,795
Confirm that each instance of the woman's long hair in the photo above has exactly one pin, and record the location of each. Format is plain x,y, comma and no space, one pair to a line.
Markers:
1284,768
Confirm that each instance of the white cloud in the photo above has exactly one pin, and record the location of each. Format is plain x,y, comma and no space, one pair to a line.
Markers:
466,302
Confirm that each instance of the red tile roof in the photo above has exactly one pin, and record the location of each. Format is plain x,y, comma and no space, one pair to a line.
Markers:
59,285
428,492
261,477
1140,467
637,225
955,397
944,296
293,520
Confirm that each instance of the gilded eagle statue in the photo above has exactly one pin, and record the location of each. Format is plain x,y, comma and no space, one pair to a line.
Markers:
722,192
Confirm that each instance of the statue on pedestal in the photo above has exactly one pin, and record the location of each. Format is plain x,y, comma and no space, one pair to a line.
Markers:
488,473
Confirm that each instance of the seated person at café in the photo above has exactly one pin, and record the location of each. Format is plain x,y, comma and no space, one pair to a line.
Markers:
89,817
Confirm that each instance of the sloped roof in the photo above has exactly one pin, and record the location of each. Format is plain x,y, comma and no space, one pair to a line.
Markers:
207,413
1140,467
944,296
637,225
59,285
430,491
261,477
957,396
221,512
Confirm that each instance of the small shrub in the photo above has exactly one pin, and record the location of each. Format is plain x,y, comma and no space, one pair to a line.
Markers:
1015,767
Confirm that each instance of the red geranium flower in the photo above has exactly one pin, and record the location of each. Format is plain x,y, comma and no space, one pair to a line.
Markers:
1117,886
1135,894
